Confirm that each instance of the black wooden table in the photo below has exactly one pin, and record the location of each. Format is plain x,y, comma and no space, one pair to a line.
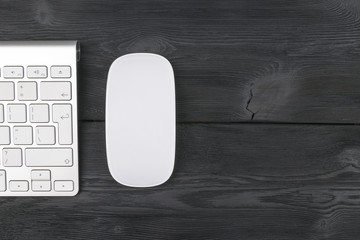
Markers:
268,107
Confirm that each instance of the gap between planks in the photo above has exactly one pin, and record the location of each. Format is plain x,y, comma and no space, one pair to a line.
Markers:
246,122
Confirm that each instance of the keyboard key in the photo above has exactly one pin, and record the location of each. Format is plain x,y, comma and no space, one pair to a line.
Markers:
37,72
64,186
13,72
16,113
62,115
1,113
19,186
49,157
40,175
45,135
12,157
55,91
7,91
27,91
2,181
39,113
61,72
41,186
4,135
23,135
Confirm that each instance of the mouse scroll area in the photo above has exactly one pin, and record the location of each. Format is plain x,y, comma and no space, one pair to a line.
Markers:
141,120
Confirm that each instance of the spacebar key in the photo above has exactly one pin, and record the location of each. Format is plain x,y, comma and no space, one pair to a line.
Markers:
49,157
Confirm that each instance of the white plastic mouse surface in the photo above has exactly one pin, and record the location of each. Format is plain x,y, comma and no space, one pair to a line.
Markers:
140,120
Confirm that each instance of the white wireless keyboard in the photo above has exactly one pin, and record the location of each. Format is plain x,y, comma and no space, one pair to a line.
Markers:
38,118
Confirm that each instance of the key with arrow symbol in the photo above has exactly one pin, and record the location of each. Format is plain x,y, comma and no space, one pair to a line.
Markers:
62,115
65,116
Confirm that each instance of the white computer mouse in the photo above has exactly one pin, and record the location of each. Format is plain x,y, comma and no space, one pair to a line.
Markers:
140,120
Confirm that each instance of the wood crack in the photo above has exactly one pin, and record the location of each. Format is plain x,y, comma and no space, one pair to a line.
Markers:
248,103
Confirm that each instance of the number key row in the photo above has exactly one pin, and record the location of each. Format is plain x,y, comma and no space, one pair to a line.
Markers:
28,91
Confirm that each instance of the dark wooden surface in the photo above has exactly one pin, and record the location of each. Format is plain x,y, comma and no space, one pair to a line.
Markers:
268,102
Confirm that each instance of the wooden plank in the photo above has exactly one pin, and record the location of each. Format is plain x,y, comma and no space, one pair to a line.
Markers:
239,181
271,61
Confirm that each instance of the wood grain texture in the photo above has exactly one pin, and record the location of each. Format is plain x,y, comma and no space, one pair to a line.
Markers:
265,60
235,61
240,181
